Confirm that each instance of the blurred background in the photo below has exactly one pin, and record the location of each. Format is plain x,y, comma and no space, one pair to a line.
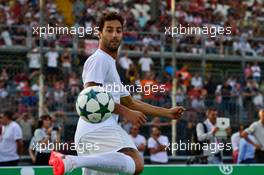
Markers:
224,72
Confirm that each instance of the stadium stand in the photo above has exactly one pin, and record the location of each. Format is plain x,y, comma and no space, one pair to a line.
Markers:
223,71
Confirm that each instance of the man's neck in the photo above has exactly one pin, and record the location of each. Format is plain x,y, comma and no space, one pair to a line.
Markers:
112,54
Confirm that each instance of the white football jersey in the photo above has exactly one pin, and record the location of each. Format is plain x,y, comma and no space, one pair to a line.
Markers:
100,68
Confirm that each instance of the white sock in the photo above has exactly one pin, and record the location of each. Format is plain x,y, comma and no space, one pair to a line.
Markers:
107,162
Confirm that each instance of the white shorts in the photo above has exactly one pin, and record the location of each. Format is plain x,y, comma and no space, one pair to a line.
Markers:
105,138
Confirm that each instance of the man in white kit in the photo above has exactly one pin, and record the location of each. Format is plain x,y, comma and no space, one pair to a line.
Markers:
114,151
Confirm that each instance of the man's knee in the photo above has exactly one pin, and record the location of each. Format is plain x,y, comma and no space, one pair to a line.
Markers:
134,154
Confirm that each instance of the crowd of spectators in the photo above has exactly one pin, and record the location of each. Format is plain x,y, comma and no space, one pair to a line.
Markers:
18,17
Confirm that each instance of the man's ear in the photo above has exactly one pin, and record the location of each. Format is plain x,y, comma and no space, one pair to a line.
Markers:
99,35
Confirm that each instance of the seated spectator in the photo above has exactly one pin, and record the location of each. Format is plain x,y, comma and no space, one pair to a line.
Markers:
157,144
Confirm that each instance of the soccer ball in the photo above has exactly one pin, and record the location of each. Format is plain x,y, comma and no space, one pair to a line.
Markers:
94,104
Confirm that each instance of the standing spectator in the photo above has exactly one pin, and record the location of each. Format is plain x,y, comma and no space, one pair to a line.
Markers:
66,62
250,91
11,144
145,62
139,140
131,74
197,81
256,72
246,151
44,136
257,130
125,62
147,83
157,144
142,19
26,123
52,63
226,90
210,46
184,75
247,72
214,155
59,95
34,60
235,138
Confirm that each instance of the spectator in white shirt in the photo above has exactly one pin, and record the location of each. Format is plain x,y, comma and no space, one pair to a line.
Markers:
125,61
145,62
3,91
256,72
157,144
197,81
11,144
34,60
44,136
214,155
52,63
235,138
139,140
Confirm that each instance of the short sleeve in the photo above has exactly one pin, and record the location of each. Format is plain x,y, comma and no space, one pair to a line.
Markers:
151,62
17,133
165,141
32,143
151,143
95,70
143,140
252,128
39,136
140,61
124,92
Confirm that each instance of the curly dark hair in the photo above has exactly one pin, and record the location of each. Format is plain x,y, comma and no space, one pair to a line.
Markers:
109,16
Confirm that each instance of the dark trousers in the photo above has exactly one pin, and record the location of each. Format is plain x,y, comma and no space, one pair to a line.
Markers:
259,156
9,163
248,161
42,158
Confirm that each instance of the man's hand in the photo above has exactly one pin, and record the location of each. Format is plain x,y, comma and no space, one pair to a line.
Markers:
135,117
175,112
215,129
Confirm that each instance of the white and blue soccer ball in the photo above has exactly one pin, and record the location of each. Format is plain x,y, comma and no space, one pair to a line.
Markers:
94,104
